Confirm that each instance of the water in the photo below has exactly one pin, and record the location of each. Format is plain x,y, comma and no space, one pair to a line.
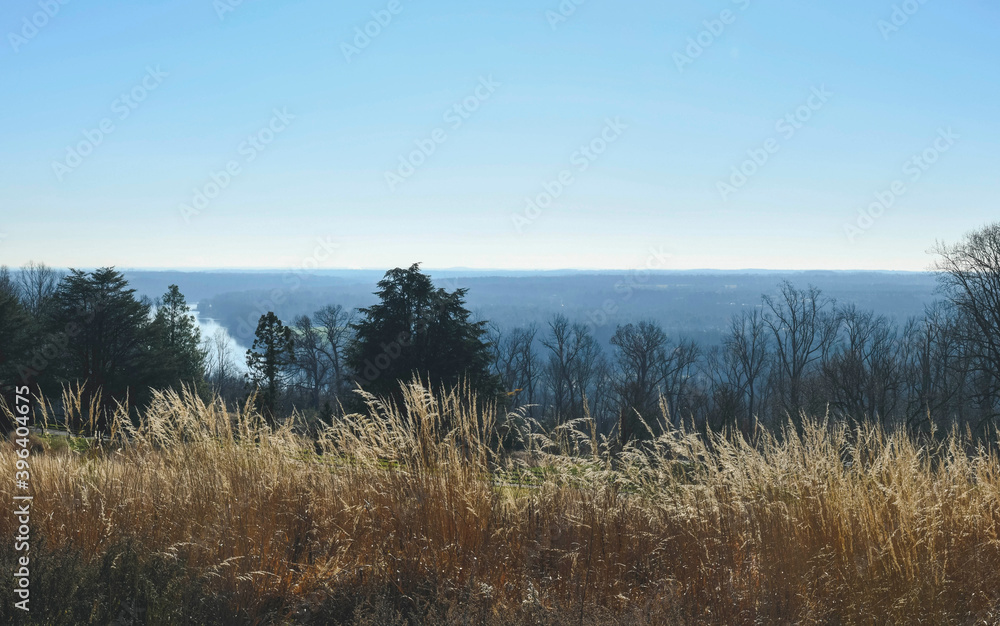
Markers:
209,327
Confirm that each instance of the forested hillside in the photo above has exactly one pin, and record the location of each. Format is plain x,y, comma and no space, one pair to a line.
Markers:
694,304
867,347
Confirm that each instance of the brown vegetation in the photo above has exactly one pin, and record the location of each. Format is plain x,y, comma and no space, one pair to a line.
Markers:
417,515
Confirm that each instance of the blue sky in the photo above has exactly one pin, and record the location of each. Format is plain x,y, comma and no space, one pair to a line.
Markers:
348,150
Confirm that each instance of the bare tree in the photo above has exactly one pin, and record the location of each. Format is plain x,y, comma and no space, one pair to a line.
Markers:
735,371
502,364
640,354
677,369
558,366
748,348
515,362
936,370
864,376
600,392
804,327
572,369
36,284
969,274
310,359
336,330
221,368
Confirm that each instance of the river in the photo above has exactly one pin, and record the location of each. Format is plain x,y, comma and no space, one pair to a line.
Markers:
209,327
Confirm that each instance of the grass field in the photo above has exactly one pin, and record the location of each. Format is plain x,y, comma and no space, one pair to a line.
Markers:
203,515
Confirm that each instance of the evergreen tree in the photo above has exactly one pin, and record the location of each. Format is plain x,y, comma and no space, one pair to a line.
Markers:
269,360
181,358
106,336
417,329
15,340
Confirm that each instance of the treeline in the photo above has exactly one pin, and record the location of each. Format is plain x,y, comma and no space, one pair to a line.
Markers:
695,305
797,352
89,332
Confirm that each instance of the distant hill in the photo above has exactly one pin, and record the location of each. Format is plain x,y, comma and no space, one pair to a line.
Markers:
694,304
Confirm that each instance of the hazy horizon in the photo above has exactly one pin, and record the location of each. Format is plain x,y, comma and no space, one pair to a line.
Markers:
429,269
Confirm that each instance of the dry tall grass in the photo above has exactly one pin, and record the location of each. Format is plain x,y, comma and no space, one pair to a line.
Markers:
415,515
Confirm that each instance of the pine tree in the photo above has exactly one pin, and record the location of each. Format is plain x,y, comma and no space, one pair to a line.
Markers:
106,337
181,358
269,360
417,329
16,329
